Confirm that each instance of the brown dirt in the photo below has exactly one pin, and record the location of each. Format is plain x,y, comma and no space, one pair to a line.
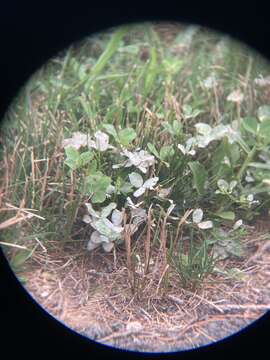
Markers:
90,294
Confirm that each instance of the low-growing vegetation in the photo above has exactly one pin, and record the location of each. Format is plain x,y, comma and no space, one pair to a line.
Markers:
140,146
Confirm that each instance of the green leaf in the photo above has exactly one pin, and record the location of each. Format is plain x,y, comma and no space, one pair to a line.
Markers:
166,152
92,168
153,150
177,127
263,113
264,129
111,130
167,126
73,157
250,124
85,158
227,215
126,136
199,176
97,185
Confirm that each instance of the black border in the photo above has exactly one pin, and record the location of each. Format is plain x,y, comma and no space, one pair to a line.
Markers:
30,33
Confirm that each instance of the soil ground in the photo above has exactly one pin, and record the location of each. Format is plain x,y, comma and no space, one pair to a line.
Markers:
90,294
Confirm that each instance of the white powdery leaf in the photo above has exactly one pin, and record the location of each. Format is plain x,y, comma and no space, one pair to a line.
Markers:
139,192
250,197
197,216
130,203
95,237
105,212
223,185
110,189
138,213
135,179
117,217
238,224
236,96
205,225
232,185
91,211
102,141
262,82
150,183
203,128
108,246
192,152
191,142
91,246
77,140
87,219
182,148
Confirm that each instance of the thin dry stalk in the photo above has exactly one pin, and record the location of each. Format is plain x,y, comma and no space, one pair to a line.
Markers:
162,276
180,223
33,175
14,220
44,184
127,239
147,241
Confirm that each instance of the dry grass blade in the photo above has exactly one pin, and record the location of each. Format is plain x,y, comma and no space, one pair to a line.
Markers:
127,239
147,241
181,222
14,220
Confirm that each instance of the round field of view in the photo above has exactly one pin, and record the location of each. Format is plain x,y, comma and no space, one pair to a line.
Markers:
135,187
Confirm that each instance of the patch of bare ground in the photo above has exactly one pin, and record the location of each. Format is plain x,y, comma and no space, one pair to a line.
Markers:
90,293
